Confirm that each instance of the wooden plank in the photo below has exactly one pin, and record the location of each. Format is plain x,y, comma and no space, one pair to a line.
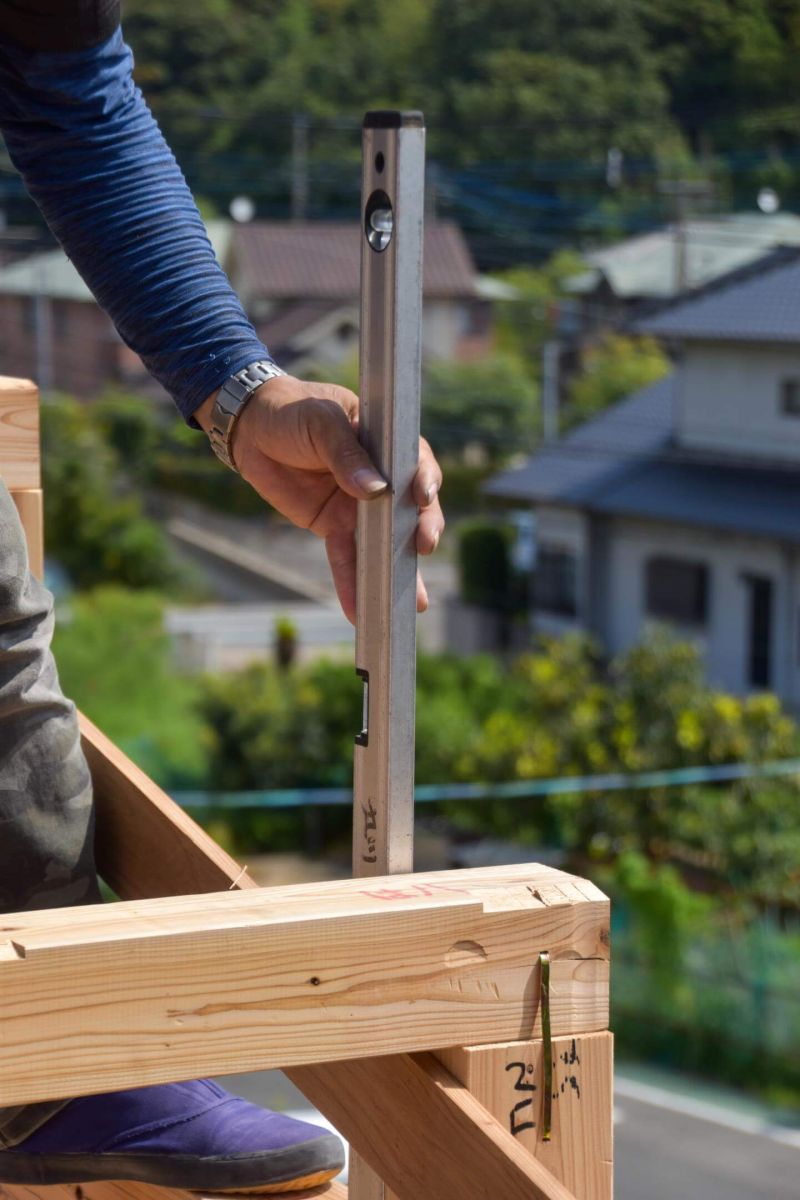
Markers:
124,1190
145,844
113,996
19,433
508,1081
423,1132
29,507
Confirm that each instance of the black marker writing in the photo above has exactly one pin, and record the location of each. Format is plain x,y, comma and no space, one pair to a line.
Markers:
515,1121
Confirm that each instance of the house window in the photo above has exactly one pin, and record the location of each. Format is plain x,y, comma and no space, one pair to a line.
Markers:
676,590
790,397
556,586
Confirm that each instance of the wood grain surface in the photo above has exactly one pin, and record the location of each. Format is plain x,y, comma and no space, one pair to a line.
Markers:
424,1133
508,1081
112,996
19,433
31,514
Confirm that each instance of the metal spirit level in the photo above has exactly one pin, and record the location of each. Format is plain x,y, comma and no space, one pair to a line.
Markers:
393,182
391,321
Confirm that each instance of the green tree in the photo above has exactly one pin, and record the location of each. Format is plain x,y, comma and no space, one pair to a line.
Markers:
613,369
491,405
524,323
545,82
115,662
97,532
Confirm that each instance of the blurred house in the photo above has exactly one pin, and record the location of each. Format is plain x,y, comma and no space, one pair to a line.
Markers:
681,504
622,279
52,330
299,283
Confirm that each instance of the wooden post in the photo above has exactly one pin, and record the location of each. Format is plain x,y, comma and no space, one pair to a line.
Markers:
508,1081
19,461
19,433
424,1133
29,507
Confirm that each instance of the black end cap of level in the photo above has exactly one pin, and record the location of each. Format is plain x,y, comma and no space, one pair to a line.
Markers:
389,118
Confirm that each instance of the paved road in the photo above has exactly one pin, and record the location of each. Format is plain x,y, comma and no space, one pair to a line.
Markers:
669,1144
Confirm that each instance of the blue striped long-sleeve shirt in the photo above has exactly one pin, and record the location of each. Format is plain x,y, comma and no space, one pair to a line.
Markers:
94,160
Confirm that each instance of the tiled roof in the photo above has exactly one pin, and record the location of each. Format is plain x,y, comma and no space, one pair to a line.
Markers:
758,303
571,470
623,463
294,318
645,266
283,260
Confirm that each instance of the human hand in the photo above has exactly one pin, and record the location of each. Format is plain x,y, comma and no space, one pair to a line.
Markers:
296,444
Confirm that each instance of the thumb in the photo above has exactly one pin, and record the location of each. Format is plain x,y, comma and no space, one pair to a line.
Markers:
337,445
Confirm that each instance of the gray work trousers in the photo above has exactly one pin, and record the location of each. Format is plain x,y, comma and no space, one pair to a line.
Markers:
46,812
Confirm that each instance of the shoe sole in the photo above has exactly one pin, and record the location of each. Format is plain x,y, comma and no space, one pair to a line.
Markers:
293,1168
295,1185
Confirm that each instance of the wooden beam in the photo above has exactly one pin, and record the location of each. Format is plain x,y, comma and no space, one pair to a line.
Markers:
145,844
29,507
424,1133
113,996
19,433
123,1190
508,1081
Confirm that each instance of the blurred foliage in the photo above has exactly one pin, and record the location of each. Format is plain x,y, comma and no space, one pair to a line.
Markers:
462,490
94,525
487,408
491,404
487,577
269,728
611,370
557,711
114,660
523,325
701,987
537,95
191,473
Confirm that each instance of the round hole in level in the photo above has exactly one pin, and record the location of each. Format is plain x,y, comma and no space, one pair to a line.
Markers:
379,220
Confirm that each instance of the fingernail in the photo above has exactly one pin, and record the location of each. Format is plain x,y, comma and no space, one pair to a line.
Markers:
430,493
369,481
436,537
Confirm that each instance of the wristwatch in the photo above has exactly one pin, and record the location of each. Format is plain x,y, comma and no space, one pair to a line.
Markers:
229,405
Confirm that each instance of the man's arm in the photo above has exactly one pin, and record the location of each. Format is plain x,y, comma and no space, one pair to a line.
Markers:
95,162
92,157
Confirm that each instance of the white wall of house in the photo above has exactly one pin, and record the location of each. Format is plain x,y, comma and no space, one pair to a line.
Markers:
724,639
730,399
444,324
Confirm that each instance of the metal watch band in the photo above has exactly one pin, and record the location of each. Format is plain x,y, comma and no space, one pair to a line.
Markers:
230,401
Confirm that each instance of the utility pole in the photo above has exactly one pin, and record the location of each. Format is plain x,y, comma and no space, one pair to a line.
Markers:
551,361
684,193
300,126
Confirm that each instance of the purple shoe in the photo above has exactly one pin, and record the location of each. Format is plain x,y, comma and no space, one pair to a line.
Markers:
192,1135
